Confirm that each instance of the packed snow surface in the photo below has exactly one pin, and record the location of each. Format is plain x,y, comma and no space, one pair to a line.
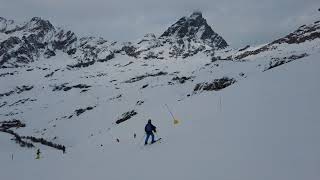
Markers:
265,127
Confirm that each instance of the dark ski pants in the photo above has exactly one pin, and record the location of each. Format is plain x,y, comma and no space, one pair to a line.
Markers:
147,138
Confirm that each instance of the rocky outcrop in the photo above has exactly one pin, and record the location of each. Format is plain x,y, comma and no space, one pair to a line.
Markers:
195,28
187,37
126,116
28,41
302,34
215,85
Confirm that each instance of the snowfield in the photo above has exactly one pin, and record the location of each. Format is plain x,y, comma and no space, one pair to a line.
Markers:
266,127
246,114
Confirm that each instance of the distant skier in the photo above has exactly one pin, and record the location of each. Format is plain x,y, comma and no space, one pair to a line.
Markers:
38,154
149,129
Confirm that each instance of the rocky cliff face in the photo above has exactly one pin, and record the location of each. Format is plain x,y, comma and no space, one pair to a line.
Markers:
185,38
302,34
27,42
195,28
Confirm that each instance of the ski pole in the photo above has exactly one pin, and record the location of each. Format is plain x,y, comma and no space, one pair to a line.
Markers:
175,121
169,111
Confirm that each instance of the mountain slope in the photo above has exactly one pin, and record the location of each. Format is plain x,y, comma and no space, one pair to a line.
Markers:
303,34
23,43
185,38
248,118
264,128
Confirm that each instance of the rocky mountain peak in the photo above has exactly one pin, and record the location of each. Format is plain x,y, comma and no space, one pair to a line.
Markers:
2,19
149,36
38,24
196,14
4,23
195,28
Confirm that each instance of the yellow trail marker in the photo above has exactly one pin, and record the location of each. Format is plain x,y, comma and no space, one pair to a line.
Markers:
176,121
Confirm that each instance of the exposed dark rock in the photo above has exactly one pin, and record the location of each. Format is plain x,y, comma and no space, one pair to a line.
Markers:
246,47
139,78
49,75
249,53
182,79
49,53
18,90
127,64
130,50
82,64
8,73
144,86
108,57
275,62
80,111
84,90
72,51
64,40
152,55
18,139
116,97
22,101
5,126
64,87
126,116
45,142
188,27
3,104
11,123
302,34
216,85
139,103
40,38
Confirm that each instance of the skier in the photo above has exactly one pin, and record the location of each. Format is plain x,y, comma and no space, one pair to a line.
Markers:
38,154
149,129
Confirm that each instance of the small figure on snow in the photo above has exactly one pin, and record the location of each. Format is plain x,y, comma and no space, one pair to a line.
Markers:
38,154
149,129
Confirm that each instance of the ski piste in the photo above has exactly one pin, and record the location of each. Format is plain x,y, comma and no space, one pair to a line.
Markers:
156,141
150,144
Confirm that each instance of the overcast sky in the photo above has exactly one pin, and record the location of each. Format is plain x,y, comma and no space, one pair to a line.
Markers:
239,22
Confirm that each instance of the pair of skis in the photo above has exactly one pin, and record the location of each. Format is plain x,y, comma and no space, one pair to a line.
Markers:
156,141
150,144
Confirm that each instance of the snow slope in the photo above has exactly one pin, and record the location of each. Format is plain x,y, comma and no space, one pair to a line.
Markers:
249,114
266,127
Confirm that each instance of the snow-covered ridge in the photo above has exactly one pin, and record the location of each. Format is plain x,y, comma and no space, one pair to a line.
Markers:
304,34
26,42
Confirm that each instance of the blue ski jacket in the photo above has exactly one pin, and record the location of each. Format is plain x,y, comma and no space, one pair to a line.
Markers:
150,128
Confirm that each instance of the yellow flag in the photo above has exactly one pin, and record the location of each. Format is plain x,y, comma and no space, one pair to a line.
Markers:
176,121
